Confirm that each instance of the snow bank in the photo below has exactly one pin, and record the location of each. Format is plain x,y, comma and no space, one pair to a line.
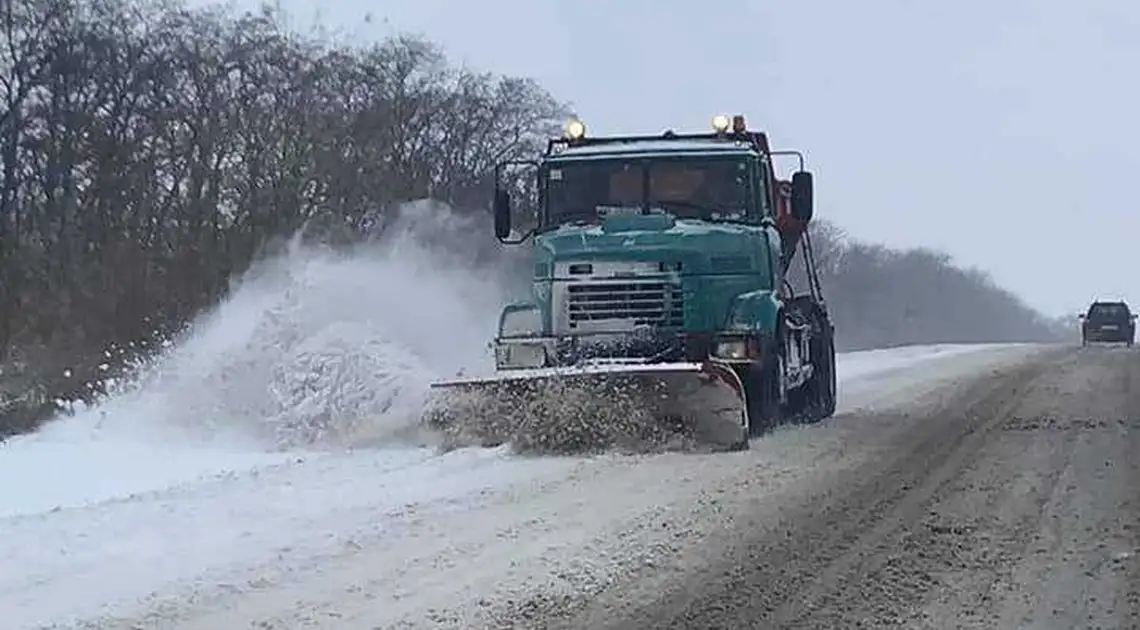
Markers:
315,350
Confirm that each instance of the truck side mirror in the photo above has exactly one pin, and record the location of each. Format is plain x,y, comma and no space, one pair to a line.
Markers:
502,209
1081,316
802,208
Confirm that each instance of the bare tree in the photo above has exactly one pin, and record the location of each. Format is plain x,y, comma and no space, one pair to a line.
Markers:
147,152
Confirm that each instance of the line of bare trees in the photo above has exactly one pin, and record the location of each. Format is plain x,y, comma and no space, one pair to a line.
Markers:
148,151
882,297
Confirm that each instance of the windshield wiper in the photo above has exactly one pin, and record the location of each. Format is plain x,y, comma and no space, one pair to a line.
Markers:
706,212
579,218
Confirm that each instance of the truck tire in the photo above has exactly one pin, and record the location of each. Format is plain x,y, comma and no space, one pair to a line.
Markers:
762,392
823,387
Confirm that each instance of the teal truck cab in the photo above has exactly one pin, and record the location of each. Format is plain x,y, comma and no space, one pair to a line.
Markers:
667,258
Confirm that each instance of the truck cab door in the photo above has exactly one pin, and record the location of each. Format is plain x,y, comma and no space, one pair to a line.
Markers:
761,183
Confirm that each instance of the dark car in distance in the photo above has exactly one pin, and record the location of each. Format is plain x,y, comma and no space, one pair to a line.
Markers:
1108,322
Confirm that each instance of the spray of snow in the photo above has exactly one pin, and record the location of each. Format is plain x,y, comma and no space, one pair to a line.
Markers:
318,347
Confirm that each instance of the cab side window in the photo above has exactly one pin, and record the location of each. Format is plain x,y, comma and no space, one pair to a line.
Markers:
760,189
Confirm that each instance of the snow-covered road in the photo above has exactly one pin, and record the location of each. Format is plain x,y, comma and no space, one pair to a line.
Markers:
133,533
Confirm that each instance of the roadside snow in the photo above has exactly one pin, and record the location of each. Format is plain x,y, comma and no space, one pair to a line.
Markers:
854,365
235,529
41,475
203,537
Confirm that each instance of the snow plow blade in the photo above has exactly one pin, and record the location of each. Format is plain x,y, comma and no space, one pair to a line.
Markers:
638,407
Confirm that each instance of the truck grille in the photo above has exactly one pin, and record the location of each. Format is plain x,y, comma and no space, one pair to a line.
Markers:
633,303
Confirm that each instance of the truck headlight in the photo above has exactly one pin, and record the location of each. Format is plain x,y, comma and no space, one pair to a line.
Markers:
520,355
521,323
736,349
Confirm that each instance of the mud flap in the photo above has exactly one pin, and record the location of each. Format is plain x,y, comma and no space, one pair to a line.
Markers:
628,406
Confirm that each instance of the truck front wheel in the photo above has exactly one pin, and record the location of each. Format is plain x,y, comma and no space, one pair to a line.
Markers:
762,383
822,388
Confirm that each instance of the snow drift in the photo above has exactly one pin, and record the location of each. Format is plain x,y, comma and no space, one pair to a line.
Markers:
320,347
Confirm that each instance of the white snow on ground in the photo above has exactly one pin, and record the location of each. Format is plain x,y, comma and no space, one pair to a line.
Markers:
318,351
262,469
97,467
412,512
43,476
853,365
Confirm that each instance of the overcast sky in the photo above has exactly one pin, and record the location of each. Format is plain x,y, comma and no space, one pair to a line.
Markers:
1000,131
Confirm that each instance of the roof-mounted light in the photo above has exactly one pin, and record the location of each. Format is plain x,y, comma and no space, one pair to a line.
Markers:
720,123
738,124
575,129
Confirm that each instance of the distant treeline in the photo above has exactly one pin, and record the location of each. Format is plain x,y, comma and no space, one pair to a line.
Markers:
148,152
881,297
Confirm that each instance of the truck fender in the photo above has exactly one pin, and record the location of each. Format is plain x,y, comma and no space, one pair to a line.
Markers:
755,312
815,312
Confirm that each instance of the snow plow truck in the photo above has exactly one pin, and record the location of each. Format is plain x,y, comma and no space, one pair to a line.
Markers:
661,280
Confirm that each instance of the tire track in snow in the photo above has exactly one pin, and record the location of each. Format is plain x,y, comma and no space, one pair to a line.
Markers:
231,533
1010,503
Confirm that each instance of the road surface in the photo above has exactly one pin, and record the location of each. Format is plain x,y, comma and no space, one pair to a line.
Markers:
992,489
1013,502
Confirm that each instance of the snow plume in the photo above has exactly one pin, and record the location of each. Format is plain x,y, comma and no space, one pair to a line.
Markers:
325,347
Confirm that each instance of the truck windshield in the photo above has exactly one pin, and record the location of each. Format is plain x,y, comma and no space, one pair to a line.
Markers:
703,188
